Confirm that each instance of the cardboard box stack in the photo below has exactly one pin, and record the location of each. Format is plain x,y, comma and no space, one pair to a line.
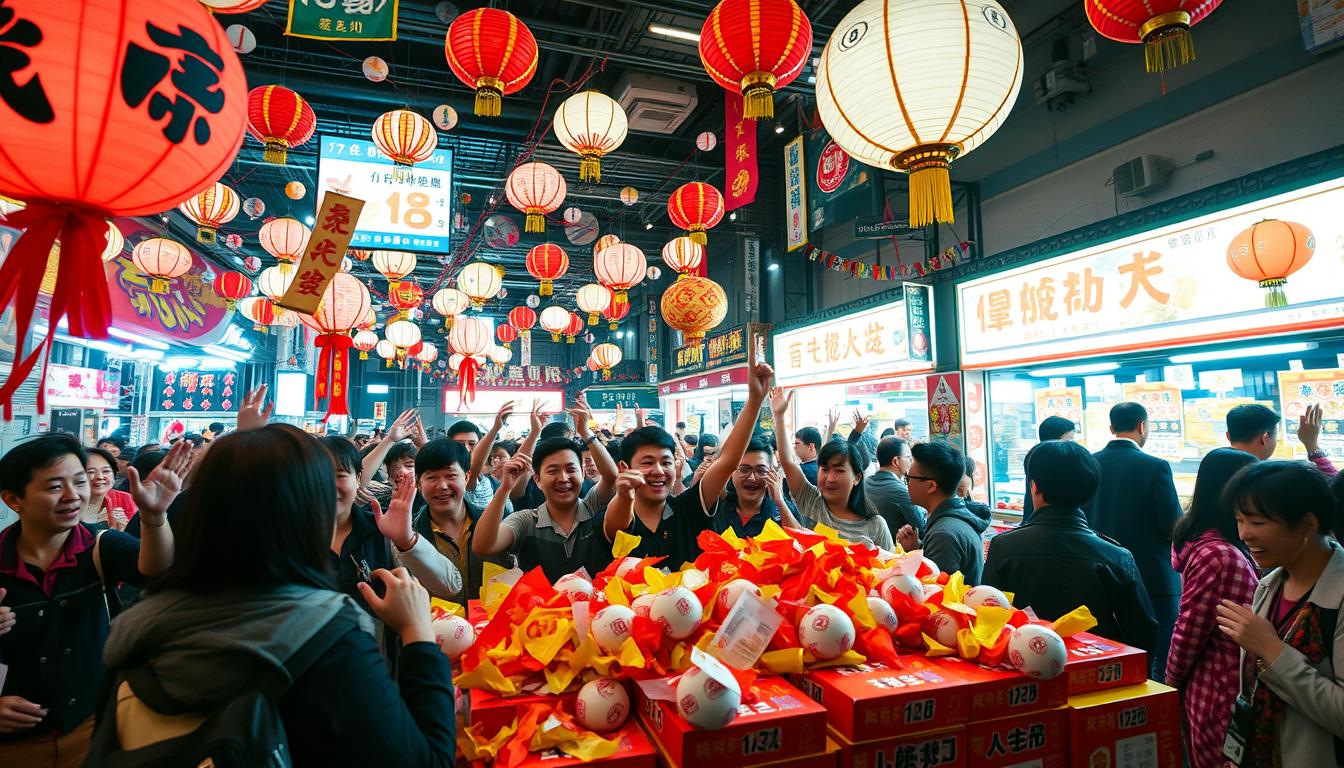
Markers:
1135,725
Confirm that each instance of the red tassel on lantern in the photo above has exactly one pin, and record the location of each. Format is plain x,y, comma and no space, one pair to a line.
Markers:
333,373
466,381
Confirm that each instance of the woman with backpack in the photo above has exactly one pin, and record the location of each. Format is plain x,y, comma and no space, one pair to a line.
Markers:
1290,711
247,628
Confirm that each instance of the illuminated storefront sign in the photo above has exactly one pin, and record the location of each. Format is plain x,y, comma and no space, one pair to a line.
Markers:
869,344
1167,287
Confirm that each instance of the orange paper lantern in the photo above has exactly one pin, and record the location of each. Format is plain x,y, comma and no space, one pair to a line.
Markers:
163,260
694,305
547,262
259,310
607,356
232,286
1268,252
683,255
492,51
695,207
286,239
405,136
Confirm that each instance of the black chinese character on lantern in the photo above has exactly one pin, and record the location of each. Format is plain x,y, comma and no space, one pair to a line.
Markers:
29,99
195,70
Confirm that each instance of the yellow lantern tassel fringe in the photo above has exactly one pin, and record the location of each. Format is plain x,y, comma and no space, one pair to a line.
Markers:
699,236
536,222
363,355
614,325
158,285
488,102
276,152
590,168
620,299
1167,43
606,374
556,337
758,95
286,267
930,196
592,318
569,339
546,288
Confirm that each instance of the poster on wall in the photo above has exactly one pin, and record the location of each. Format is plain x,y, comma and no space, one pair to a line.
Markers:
404,209
1206,421
1300,389
945,417
69,386
1060,401
1322,23
1167,287
347,20
195,392
837,188
977,444
795,208
1166,417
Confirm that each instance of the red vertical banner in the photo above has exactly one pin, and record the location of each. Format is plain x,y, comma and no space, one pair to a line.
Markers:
739,155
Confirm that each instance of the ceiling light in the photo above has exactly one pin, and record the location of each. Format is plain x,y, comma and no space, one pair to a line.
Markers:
1230,354
309,220
812,79
673,32
732,216
135,337
1076,370
774,267
648,225
779,128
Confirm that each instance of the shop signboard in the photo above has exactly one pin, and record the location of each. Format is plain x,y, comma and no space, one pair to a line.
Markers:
1300,389
1060,401
334,225
838,188
878,228
652,314
918,300
83,387
346,20
1166,417
945,410
195,392
865,345
404,208
724,378
380,411
630,398
1164,288
718,350
488,401
795,194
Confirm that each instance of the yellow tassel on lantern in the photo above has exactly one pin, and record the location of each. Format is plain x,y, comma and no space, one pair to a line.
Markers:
590,168
592,318
285,267
620,299
699,236
930,185
556,337
606,374
614,325
363,355
1167,43
206,235
569,339
758,95
158,285
489,96
275,152
536,221
547,288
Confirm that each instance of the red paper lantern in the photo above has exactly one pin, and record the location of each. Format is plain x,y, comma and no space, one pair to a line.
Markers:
615,313
574,328
232,286
210,210
506,334
405,296
111,108
344,303
280,119
756,47
547,262
695,207
522,319
492,51
1162,26
259,310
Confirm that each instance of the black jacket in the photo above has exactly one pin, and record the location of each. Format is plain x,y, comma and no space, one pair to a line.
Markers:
1058,563
952,538
1136,505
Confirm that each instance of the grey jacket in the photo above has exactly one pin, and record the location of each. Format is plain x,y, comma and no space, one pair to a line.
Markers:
1314,694
953,538
891,496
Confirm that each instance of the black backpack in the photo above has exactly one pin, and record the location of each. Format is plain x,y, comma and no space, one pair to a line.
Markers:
243,732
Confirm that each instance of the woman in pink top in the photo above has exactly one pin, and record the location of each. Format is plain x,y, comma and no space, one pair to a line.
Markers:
1202,663
106,507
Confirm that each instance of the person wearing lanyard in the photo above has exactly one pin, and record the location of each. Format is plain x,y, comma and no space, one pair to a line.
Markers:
1291,711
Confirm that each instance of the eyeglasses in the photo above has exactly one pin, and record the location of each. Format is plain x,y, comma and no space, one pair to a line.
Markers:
920,477
746,471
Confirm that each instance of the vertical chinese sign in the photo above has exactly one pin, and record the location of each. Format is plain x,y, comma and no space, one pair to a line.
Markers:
343,19
336,219
919,329
795,207
751,290
739,155
945,417
653,338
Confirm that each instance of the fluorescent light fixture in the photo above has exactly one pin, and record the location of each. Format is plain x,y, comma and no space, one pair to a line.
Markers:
1074,370
377,389
648,225
177,363
732,216
1288,348
779,128
228,354
673,32
291,393
309,220
812,79
145,355
137,338
774,266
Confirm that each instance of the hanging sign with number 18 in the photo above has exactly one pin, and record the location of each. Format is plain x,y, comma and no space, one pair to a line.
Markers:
405,209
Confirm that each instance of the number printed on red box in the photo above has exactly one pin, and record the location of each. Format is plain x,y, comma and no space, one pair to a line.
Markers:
1110,673
768,740
1134,718
1023,695
919,711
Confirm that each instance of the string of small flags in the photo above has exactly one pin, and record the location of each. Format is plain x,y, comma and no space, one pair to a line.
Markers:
950,256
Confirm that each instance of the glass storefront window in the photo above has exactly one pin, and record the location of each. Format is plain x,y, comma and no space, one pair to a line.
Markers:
882,401
1187,394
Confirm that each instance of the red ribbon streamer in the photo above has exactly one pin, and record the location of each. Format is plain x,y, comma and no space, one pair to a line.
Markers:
80,294
333,373
466,381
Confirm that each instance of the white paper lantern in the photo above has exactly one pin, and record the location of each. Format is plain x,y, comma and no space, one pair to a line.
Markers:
911,85
241,38
445,117
375,69
590,124
706,141
403,334
480,281
572,215
274,282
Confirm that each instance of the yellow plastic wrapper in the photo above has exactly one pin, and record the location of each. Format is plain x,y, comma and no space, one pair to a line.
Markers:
624,545
488,677
1080,619
786,661
452,609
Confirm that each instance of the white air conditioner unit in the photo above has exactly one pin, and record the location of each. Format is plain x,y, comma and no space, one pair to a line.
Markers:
1141,175
656,104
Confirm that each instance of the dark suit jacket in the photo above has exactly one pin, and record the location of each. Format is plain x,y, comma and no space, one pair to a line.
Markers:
1136,505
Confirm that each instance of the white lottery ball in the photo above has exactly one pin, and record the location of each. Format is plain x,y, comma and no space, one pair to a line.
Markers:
826,631
985,595
679,612
574,585
628,569
932,589
942,626
704,703
611,627
932,566
602,705
883,614
642,604
901,583
1037,651
454,635
731,592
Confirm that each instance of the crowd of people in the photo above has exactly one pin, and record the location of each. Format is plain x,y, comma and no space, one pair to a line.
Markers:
140,583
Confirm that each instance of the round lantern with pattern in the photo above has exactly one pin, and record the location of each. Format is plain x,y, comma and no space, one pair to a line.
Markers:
481,282
683,255
405,296
547,262
607,356
387,351
405,136
755,47
210,210
694,306
259,310
162,260
232,286
285,239
280,119
695,207
492,51
593,298
590,124
536,189
1162,26
620,268
554,320
1268,252
615,314
364,340
629,196
604,242
450,302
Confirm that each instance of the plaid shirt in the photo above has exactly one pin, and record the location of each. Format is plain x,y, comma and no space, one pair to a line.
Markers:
1203,661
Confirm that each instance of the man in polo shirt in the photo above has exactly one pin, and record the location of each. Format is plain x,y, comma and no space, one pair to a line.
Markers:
669,526
564,533
755,496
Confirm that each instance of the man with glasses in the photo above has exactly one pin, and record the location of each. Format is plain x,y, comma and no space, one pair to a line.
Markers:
887,490
952,537
755,495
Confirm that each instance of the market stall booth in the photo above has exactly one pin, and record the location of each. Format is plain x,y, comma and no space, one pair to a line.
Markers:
604,401
708,379
1239,305
874,359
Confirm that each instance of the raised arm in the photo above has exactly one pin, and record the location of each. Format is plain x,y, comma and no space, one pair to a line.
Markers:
536,421
401,429
481,453
730,452
439,575
255,411
606,465
489,538
788,461
621,510
775,482
152,496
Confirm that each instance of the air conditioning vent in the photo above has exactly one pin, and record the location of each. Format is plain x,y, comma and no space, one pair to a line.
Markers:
1141,175
656,104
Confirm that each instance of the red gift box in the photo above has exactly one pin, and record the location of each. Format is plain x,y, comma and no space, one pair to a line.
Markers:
872,701
996,693
1040,740
1138,725
635,751
935,749
780,723
825,759
1096,664
497,711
